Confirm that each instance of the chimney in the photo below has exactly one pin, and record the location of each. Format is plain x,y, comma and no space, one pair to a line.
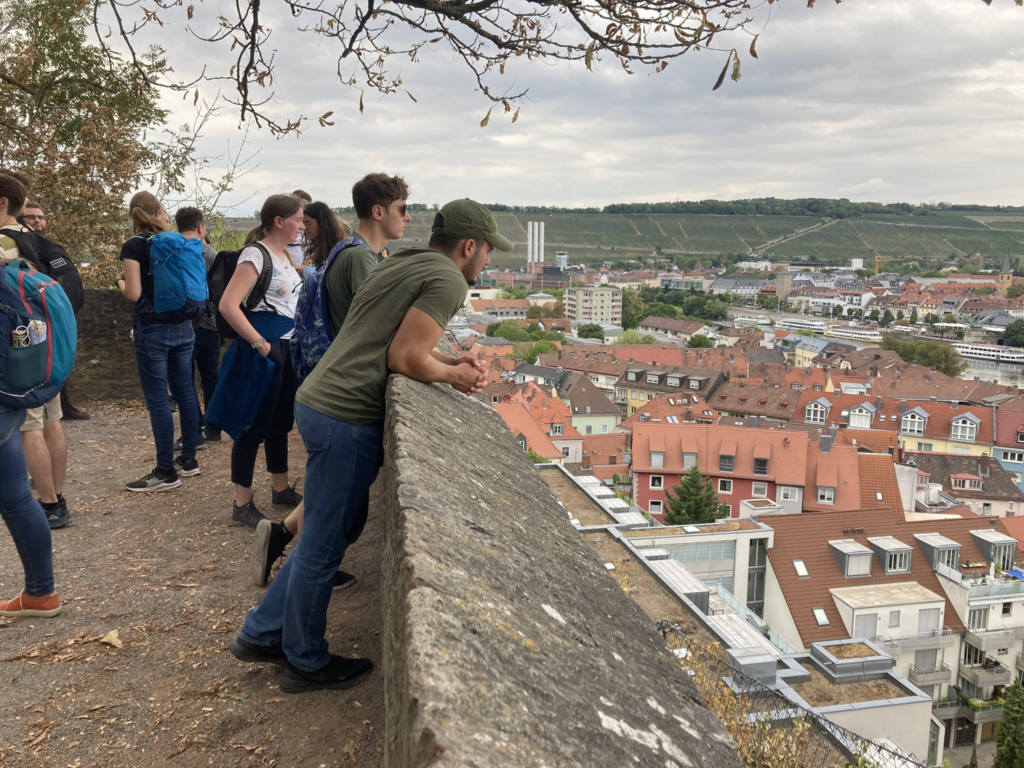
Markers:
878,402
826,443
753,422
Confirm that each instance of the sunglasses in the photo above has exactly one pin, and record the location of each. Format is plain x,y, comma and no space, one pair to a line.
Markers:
401,209
33,217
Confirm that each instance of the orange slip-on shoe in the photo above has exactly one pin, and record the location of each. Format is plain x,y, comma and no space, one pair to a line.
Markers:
23,605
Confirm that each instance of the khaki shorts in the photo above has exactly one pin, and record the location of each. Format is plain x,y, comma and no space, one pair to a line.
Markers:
34,417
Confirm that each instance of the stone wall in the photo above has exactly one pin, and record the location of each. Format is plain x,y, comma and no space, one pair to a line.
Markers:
506,642
105,361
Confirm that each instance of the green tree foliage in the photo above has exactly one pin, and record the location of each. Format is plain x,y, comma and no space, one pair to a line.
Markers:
949,317
513,332
699,341
1014,335
536,349
767,302
515,292
590,331
536,312
1010,739
1014,291
694,501
875,314
82,123
633,308
690,304
804,332
984,291
661,309
632,336
536,458
887,319
933,354
913,317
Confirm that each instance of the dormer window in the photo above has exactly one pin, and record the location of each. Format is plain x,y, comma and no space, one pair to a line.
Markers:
556,429
912,425
726,463
826,495
760,466
858,565
860,418
631,376
689,460
815,414
965,430
657,459
695,384
897,562
652,378
673,381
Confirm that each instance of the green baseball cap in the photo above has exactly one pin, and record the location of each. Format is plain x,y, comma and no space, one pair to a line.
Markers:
468,220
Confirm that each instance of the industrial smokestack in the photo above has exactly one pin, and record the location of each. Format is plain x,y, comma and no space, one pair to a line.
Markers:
529,242
540,254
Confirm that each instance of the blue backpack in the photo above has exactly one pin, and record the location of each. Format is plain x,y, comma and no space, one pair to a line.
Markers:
31,376
179,277
312,337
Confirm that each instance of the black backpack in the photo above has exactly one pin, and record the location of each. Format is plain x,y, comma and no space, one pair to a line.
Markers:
220,275
51,259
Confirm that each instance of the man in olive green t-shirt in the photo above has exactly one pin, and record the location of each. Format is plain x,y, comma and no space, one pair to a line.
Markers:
380,203
393,326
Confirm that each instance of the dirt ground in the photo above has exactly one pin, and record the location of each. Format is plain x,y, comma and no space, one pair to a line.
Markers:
170,575
819,692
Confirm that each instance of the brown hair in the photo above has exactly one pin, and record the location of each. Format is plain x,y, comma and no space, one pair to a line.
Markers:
143,210
377,189
34,204
12,188
331,231
275,206
188,219
302,195
23,178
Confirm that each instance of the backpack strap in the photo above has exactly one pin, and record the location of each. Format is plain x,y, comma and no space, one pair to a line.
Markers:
264,278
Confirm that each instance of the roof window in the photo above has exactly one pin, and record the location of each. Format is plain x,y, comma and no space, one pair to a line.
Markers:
820,617
801,569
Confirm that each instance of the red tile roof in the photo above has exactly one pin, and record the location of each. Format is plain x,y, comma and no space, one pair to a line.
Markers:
878,484
522,424
838,469
806,537
788,452
686,408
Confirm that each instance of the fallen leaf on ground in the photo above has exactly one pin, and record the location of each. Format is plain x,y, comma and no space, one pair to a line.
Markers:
111,638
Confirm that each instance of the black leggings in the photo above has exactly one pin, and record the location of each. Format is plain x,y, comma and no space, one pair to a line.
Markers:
273,422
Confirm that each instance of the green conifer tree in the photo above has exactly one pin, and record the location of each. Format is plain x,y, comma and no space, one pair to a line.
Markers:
1010,739
693,501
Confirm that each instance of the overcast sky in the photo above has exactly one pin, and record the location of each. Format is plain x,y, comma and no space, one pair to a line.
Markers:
916,100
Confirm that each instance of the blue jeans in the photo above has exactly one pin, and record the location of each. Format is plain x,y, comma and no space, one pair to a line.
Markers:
342,463
163,352
21,513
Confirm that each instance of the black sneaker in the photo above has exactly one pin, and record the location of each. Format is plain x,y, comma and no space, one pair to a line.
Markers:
287,498
200,444
246,515
157,480
211,435
338,674
251,653
58,517
70,413
271,539
186,467
343,580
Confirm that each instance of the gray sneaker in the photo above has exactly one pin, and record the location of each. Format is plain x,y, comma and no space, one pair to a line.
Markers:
155,481
246,515
186,467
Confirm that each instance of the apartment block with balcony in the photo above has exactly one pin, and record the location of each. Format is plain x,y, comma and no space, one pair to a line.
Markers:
939,596
593,304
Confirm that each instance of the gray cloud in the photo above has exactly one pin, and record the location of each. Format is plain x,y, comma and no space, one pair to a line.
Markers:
918,100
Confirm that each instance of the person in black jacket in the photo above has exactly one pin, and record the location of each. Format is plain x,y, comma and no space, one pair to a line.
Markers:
53,260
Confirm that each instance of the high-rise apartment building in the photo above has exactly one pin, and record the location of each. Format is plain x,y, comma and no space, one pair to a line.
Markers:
593,304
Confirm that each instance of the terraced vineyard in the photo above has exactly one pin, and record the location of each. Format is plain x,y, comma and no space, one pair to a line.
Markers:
609,237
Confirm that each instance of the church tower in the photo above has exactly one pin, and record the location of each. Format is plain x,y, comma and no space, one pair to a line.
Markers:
1005,277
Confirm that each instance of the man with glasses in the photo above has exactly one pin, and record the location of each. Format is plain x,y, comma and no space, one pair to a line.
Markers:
55,262
34,217
380,203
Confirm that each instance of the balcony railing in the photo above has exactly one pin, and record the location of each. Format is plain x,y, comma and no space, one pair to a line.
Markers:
935,638
993,589
987,639
990,673
933,675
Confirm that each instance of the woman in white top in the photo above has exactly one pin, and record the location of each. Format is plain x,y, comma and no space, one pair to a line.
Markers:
267,328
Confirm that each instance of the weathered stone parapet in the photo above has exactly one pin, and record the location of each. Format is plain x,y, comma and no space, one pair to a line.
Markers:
506,642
